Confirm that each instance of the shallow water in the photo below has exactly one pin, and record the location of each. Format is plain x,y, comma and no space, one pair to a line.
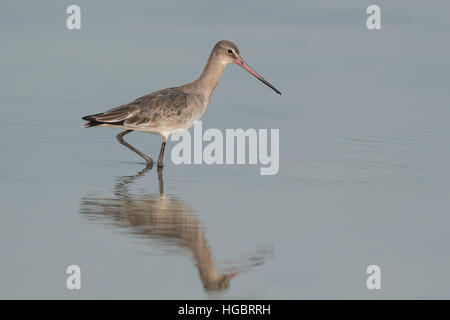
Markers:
364,149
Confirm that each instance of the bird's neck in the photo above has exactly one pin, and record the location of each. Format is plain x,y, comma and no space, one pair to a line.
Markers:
211,74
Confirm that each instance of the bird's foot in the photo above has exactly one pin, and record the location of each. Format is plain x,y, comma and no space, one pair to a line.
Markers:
149,161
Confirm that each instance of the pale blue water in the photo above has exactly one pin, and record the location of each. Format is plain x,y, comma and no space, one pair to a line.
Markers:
364,152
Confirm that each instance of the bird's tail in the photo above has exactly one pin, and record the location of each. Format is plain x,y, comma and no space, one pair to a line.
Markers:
91,122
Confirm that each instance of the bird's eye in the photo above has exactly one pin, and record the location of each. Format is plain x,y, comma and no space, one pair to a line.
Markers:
230,51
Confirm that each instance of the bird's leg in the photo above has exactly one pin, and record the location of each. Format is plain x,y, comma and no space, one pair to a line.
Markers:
161,153
129,146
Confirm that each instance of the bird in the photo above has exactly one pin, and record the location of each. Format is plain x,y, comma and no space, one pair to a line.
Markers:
174,109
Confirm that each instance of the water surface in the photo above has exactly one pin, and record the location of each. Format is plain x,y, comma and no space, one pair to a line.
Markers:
364,149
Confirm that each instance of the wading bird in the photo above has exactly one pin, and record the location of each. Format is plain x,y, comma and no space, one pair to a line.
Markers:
174,109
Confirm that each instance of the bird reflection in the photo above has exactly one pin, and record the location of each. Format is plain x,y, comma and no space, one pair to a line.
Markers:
171,223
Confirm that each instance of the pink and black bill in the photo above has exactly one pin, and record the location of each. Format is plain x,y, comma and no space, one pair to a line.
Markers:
240,62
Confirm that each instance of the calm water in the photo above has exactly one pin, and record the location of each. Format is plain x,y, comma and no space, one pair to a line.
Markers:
364,152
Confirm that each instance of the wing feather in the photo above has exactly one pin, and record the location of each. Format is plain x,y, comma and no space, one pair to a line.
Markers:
148,110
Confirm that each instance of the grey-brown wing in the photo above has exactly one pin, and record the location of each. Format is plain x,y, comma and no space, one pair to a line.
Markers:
148,110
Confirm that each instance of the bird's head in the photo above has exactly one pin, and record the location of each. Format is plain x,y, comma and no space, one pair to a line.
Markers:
228,53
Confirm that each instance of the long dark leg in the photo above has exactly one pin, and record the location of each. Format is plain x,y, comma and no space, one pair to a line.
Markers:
129,146
161,153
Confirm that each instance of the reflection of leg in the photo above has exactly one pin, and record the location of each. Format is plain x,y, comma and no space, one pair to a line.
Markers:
123,182
160,181
145,170
161,153
129,146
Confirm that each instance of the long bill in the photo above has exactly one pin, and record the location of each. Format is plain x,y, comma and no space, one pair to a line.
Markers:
240,62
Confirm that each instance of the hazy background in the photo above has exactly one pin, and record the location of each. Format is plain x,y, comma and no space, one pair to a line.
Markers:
364,148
